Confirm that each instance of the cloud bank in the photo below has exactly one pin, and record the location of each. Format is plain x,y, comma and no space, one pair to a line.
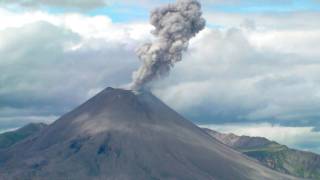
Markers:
58,61
243,68
242,76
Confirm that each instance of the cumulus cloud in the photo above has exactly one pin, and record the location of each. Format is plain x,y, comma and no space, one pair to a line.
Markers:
293,20
54,65
230,74
233,78
245,67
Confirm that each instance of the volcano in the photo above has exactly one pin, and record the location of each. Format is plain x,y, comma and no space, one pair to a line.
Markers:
122,134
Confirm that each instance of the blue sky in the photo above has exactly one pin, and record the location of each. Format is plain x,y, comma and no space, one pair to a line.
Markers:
255,65
123,12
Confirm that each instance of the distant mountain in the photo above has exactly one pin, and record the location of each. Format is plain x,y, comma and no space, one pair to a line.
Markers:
123,135
7,139
273,155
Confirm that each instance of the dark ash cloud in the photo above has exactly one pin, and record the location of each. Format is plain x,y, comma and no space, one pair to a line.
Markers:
175,24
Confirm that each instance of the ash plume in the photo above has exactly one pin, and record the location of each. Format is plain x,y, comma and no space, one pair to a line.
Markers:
175,24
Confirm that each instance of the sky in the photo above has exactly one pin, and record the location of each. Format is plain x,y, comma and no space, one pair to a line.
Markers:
254,69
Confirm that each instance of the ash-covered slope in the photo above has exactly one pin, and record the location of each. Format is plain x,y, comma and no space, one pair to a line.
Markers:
119,134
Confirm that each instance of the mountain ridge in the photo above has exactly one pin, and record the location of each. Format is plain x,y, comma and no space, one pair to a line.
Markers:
121,134
7,139
273,155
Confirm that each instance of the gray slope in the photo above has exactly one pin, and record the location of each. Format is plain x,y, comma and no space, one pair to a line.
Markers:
122,135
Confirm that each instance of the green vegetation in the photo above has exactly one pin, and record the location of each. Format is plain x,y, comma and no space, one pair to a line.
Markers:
286,160
273,155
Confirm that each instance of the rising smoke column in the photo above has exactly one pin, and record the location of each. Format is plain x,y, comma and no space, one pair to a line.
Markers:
175,24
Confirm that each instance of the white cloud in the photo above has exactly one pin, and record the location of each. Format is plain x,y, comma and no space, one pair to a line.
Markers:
86,26
230,73
240,74
257,67
51,63
302,42
266,20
